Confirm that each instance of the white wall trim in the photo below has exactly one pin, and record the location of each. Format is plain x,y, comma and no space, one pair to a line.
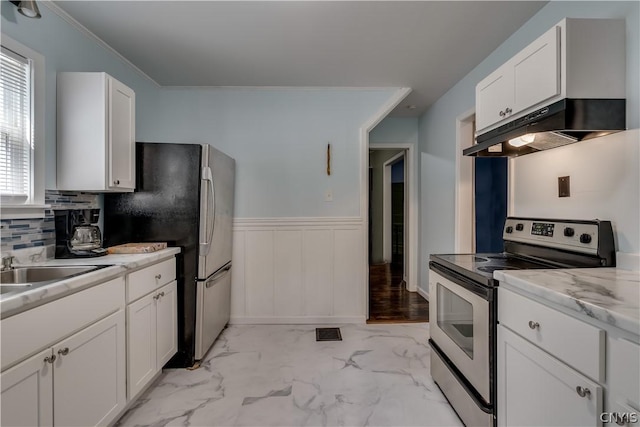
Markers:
84,30
297,221
297,320
386,205
297,271
373,121
411,230
423,294
464,231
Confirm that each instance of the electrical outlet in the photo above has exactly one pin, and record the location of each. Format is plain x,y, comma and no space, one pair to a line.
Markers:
564,186
328,195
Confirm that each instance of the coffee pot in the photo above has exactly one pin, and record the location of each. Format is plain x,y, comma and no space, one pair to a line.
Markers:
77,233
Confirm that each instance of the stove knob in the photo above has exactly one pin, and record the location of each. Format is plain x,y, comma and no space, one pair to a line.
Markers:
519,227
585,238
509,229
569,232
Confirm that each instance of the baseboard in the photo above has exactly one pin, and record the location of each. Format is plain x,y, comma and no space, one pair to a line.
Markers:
423,293
298,320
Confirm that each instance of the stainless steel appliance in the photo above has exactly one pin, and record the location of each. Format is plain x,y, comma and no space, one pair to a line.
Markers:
464,302
184,196
77,233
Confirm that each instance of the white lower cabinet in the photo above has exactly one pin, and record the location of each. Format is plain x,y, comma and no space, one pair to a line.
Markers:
27,392
152,335
89,374
80,381
535,389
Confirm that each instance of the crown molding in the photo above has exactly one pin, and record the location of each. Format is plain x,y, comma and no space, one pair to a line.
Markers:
78,26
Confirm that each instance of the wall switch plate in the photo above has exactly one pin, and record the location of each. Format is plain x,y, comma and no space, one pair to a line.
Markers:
564,185
328,195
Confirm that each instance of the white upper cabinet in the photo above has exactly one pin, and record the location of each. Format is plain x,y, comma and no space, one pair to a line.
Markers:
577,58
96,133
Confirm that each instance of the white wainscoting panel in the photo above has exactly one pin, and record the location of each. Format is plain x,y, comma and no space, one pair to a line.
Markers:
298,270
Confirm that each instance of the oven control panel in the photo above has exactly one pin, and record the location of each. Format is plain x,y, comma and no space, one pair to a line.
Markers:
580,236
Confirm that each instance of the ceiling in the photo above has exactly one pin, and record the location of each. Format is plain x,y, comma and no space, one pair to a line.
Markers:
425,45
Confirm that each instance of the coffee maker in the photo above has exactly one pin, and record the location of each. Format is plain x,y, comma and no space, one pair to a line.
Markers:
77,233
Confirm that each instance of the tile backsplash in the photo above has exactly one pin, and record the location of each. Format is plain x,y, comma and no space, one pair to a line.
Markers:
19,234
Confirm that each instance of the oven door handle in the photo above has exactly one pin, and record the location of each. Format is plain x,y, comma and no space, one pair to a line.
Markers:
478,289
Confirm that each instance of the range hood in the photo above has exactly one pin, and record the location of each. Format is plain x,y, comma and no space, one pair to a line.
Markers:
561,123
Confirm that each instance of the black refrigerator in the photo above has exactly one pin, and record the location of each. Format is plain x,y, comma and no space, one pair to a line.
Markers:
184,196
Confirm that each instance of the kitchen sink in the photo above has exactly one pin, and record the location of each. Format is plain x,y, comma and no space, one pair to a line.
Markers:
25,278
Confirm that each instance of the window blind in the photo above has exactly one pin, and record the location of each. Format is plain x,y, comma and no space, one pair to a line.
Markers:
16,130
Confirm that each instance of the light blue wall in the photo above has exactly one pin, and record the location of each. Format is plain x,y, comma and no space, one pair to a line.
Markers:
65,48
438,125
402,130
279,139
277,136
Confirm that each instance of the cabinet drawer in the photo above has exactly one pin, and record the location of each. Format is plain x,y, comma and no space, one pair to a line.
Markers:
32,330
141,282
578,344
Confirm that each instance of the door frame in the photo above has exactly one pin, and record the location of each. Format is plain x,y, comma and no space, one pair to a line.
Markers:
464,230
411,211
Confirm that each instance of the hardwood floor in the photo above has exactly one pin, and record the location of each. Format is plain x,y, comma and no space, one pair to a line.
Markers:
389,301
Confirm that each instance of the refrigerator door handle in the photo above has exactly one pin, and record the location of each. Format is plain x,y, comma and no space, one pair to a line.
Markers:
219,275
205,246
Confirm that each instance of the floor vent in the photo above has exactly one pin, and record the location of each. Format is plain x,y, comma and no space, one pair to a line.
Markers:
328,334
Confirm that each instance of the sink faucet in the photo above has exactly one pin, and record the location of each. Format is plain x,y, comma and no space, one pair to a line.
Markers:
6,262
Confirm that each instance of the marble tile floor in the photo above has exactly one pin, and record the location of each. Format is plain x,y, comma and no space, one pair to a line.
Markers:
278,375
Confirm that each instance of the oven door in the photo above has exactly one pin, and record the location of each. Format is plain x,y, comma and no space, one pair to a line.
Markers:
459,324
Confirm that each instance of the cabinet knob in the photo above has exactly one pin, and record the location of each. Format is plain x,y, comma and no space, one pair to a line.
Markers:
158,276
50,359
502,113
63,351
116,182
583,392
508,110
161,294
620,420
533,325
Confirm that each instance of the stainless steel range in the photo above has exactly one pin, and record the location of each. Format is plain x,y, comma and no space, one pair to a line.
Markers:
463,302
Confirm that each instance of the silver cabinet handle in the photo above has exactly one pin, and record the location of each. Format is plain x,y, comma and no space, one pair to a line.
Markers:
534,325
583,392
508,111
502,113
158,276
50,359
158,296
63,351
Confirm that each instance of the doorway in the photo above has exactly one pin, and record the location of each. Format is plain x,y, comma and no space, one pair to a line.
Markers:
390,298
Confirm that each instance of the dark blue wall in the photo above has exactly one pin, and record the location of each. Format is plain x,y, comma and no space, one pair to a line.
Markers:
397,172
491,202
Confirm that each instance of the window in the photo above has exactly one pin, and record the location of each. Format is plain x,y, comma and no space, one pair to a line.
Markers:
22,98
16,127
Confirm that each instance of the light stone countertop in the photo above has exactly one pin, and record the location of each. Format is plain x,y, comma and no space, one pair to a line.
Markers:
610,295
117,265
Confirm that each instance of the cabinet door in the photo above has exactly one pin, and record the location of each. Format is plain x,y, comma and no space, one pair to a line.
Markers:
89,385
535,389
141,343
167,323
121,140
27,393
494,96
536,71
